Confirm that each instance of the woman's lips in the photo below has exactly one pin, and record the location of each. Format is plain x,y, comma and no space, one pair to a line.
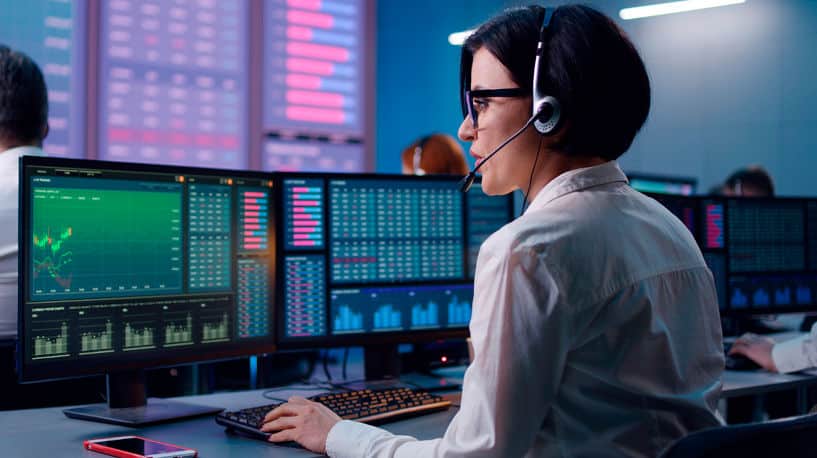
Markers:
478,158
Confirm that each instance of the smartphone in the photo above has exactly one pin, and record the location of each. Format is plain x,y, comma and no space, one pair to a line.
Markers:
137,447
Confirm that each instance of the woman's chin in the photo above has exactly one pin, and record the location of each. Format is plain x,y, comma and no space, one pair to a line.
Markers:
491,187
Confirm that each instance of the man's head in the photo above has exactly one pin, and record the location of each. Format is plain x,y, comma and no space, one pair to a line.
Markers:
23,101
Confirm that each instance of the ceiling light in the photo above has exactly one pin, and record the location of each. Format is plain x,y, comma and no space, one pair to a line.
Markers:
660,9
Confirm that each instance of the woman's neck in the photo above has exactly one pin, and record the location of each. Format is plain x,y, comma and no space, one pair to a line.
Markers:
554,164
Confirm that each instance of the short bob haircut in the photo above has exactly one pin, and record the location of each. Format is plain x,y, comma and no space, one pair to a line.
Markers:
589,65
23,98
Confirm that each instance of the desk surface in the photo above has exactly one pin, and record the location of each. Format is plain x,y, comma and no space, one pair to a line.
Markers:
47,432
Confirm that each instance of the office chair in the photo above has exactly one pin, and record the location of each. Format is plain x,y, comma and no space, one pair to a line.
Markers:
791,437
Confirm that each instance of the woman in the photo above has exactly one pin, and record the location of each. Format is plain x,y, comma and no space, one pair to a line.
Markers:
595,321
436,154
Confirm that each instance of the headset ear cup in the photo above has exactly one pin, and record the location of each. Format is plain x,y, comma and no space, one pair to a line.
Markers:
550,113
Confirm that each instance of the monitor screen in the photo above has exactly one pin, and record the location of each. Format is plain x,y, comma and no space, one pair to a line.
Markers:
130,266
663,184
315,67
769,243
761,251
53,35
173,82
292,155
370,259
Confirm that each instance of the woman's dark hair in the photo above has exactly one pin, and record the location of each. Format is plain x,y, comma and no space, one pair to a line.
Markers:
589,65
23,98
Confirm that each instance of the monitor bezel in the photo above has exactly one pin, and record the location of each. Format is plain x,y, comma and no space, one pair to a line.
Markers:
148,360
366,339
674,179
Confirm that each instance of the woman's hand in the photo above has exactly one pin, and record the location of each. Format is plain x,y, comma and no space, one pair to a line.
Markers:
303,421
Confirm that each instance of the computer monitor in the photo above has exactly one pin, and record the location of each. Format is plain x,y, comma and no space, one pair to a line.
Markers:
663,184
374,260
762,251
131,266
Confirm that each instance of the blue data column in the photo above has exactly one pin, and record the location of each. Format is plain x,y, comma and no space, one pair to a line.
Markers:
210,253
304,296
52,33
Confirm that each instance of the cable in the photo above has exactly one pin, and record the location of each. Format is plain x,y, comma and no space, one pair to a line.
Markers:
326,365
345,360
532,171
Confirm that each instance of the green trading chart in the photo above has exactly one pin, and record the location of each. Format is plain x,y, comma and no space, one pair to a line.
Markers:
101,238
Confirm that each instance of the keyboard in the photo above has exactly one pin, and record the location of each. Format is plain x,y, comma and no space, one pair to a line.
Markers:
737,362
367,406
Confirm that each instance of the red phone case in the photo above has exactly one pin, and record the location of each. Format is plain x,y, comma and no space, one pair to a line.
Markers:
96,447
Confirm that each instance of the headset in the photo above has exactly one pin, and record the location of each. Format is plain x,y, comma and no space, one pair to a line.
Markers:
418,155
546,108
546,112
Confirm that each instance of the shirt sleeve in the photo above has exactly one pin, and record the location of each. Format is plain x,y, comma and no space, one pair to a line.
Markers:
796,354
520,336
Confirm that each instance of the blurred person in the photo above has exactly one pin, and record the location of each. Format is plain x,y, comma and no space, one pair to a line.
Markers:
436,154
23,127
752,181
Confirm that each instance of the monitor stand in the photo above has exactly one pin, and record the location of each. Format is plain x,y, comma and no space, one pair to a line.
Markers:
381,362
128,406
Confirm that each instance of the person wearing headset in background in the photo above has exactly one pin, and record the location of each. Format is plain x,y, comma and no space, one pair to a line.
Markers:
753,181
595,321
436,154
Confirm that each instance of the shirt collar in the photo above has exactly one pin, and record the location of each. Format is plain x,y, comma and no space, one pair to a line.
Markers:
577,180
10,157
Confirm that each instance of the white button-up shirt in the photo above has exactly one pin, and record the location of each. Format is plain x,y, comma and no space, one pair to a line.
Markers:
8,237
596,333
796,354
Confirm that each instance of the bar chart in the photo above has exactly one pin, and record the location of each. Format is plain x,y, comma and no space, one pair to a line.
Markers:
714,225
459,312
139,330
360,310
347,321
315,66
215,326
178,329
95,336
253,217
50,339
425,316
303,214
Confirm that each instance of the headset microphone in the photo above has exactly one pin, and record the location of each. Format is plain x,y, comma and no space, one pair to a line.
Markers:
468,180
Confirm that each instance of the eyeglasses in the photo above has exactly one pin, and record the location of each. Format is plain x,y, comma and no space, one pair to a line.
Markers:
468,108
